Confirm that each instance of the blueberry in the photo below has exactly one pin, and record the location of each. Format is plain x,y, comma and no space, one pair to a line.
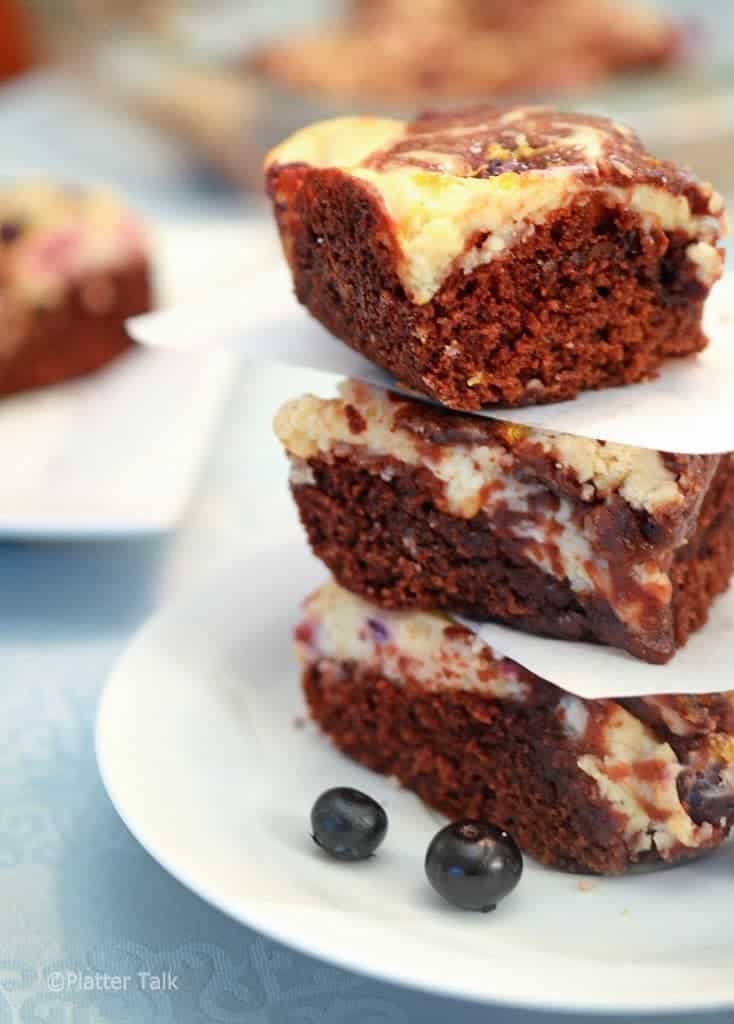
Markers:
10,230
473,865
380,632
348,824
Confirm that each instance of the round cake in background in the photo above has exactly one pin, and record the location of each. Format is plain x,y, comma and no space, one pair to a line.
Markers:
401,51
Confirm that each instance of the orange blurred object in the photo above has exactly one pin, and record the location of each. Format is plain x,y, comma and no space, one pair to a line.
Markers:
16,39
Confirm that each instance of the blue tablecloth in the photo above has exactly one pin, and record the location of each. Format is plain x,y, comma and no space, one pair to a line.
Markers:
79,898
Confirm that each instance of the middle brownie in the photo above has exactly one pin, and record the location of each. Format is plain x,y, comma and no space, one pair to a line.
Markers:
412,506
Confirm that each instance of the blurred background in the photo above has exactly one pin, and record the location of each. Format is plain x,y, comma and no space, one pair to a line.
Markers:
229,78
173,103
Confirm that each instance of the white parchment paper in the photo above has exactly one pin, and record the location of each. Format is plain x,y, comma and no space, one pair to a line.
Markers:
689,408
704,665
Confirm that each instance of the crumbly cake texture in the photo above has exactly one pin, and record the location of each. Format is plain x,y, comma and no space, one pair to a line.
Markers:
583,785
396,50
415,507
497,256
74,265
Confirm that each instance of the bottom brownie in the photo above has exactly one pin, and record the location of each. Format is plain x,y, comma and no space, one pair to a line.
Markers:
82,334
591,786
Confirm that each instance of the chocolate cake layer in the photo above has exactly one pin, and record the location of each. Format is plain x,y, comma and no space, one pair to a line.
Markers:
413,507
497,256
74,266
583,785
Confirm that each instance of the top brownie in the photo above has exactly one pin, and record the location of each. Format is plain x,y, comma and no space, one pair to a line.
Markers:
498,256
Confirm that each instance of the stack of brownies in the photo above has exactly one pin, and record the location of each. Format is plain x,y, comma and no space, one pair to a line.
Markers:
497,258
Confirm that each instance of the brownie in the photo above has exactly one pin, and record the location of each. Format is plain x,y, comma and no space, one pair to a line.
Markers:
74,265
583,785
400,51
415,507
497,256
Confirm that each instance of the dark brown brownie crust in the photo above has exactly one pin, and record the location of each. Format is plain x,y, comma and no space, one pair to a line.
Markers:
589,300
468,755
378,527
78,337
399,52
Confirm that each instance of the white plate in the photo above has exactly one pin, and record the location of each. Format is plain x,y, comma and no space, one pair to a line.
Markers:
199,748
119,452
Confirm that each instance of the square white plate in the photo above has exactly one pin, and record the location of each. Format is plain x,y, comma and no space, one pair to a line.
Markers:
118,453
